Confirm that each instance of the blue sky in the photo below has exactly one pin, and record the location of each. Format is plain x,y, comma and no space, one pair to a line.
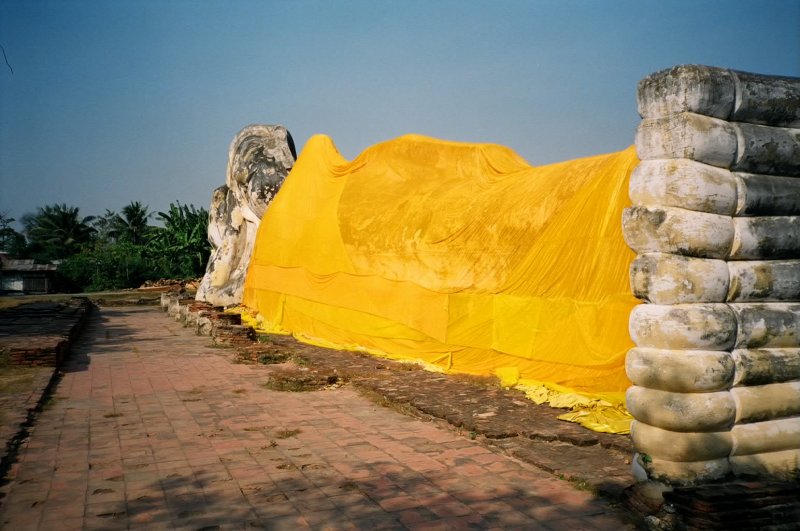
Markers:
115,101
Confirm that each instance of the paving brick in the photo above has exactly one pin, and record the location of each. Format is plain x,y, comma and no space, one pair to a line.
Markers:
172,433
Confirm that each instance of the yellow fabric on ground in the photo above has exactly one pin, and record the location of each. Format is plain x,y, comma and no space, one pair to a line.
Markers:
459,255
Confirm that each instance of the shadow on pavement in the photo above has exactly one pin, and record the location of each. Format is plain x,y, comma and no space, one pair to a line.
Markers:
300,495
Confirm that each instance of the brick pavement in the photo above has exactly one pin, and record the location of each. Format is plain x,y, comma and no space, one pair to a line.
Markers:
478,407
150,427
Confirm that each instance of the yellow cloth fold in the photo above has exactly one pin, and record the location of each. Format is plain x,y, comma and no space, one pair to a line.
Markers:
461,256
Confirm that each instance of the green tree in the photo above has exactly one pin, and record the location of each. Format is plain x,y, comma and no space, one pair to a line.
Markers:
103,226
130,225
104,266
117,250
57,231
11,241
180,248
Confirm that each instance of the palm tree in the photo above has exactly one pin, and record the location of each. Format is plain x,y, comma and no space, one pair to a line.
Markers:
131,224
104,231
181,245
57,231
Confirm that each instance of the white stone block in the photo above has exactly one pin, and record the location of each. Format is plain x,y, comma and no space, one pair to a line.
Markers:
722,93
680,371
768,436
684,183
737,146
681,412
689,136
778,465
684,472
767,402
673,279
687,88
680,446
683,326
765,366
677,231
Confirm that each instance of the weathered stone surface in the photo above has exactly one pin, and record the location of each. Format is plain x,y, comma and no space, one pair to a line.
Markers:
688,136
684,183
687,88
683,326
259,159
767,237
764,280
681,412
767,325
716,225
173,306
737,146
684,472
680,371
673,279
663,278
204,325
764,402
164,301
680,446
764,366
692,185
768,100
721,93
767,195
768,436
769,150
781,465
183,314
677,231
228,233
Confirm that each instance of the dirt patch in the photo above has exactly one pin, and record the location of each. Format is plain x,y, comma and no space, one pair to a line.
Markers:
286,434
14,378
302,379
272,357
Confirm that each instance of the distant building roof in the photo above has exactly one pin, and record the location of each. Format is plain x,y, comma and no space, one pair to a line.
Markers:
23,265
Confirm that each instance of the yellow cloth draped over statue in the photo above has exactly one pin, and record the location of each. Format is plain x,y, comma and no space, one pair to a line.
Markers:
458,255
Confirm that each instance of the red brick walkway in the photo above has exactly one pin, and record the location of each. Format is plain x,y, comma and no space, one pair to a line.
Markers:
150,427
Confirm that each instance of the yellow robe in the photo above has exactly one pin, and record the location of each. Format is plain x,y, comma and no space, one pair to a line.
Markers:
458,255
